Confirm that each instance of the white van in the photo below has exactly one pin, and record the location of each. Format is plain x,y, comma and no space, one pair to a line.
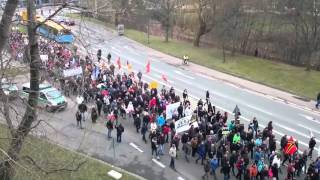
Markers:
120,29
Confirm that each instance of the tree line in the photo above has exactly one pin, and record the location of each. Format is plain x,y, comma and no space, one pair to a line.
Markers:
282,30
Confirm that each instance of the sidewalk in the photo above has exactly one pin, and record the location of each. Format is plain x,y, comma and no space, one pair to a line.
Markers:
260,89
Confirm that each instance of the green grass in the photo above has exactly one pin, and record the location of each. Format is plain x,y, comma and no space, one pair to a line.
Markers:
278,75
15,71
282,76
50,156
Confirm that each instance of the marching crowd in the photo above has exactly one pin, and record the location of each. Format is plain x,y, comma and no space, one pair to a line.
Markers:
219,142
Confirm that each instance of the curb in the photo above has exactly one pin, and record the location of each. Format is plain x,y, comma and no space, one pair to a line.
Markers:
89,157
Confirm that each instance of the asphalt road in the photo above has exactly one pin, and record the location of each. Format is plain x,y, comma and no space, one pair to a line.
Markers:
286,119
135,156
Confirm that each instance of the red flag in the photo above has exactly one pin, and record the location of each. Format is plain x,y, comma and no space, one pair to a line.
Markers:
119,63
148,67
164,77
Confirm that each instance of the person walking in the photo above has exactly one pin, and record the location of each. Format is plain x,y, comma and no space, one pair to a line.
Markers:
79,119
94,115
120,130
225,170
154,146
109,125
173,155
312,144
99,105
143,132
137,122
214,165
201,153
206,168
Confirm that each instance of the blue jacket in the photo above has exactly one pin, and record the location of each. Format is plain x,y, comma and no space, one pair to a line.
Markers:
214,164
160,120
201,150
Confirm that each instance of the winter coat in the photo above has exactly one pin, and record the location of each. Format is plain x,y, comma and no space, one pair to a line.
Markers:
173,152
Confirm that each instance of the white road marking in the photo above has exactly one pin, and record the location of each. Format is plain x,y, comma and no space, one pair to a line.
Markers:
158,163
294,131
136,147
260,110
180,73
310,118
182,80
308,128
207,77
180,178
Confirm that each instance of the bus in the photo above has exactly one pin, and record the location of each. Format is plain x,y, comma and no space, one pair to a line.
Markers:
55,31
51,29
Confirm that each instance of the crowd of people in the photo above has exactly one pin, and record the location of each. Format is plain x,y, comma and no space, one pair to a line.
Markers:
220,142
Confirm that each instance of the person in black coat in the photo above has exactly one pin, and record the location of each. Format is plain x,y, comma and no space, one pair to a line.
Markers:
120,130
94,115
312,144
99,105
137,122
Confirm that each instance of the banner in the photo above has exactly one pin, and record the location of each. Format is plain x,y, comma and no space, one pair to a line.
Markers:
44,58
184,124
171,109
72,72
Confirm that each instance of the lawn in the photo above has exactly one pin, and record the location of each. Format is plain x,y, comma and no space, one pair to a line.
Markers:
282,76
50,156
278,75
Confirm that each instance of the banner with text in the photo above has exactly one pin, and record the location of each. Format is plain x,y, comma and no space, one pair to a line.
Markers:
72,72
184,124
171,109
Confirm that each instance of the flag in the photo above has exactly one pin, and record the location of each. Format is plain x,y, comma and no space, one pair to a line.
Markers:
148,67
119,63
164,77
129,66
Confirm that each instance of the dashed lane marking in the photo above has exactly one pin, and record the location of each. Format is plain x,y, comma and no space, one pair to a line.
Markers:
158,163
136,147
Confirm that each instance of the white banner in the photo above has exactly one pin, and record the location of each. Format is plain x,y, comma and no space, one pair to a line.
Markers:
171,109
72,72
44,58
183,124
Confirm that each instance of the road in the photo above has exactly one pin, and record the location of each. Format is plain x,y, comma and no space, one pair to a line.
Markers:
286,119
132,154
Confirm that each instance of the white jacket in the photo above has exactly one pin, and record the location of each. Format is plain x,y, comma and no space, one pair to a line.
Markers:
173,152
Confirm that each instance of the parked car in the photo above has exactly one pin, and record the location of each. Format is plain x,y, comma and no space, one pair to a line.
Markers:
49,99
9,88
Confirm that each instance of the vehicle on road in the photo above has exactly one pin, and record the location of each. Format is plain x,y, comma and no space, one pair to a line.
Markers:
9,88
49,99
120,29
51,29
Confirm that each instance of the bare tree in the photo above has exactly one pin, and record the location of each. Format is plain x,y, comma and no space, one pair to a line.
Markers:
163,11
306,22
206,14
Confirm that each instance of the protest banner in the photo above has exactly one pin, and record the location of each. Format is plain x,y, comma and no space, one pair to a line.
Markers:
184,124
72,72
171,109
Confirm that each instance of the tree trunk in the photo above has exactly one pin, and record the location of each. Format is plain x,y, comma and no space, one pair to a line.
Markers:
308,65
7,170
167,29
224,52
196,41
6,19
